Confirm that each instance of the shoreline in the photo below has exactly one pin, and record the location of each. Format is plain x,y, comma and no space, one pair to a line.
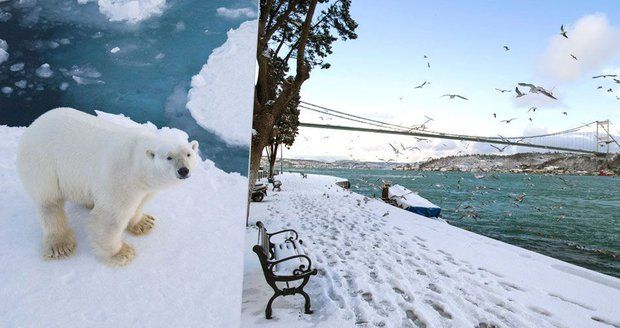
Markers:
382,265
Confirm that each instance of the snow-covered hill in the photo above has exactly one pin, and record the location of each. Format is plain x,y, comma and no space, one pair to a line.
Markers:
382,266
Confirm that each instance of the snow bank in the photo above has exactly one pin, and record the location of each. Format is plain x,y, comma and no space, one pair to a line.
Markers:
383,266
221,95
130,11
166,132
187,272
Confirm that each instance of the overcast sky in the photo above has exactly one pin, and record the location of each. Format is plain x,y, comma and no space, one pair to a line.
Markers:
375,75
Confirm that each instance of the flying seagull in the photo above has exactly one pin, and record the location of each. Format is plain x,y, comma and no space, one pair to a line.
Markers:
452,96
519,93
508,121
605,76
563,32
506,48
422,85
502,90
501,150
532,109
617,81
537,89
575,58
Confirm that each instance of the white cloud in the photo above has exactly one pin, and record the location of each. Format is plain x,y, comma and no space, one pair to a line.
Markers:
592,39
236,13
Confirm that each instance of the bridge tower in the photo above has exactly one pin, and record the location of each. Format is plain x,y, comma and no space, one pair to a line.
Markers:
603,138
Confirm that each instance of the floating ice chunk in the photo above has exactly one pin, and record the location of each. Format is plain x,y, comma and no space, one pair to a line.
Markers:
160,56
21,84
44,71
236,13
85,81
180,26
17,67
4,54
115,50
64,41
81,71
6,90
131,11
218,99
97,35
5,16
64,86
53,44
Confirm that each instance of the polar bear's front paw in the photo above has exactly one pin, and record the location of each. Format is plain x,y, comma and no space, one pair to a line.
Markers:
122,257
143,226
58,246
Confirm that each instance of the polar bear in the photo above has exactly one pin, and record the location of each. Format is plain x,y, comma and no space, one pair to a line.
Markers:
68,155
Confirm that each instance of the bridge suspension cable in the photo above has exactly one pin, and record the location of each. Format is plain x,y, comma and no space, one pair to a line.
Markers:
421,131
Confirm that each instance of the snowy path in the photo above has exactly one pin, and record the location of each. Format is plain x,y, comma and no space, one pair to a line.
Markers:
403,270
187,271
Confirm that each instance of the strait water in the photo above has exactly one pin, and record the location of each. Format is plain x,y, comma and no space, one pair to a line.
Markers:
572,218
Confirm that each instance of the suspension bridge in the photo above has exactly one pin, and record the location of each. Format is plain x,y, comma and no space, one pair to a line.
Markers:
589,138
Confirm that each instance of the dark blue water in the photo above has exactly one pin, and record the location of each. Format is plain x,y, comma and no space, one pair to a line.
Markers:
147,80
572,218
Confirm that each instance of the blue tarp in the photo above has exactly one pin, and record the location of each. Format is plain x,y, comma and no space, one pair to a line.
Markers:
413,202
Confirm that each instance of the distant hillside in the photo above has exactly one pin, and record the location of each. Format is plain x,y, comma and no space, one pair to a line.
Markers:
523,162
342,164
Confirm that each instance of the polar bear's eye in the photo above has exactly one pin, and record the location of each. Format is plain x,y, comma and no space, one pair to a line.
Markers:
188,155
169,158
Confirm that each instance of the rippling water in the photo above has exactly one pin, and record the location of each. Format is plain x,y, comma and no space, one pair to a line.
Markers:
572,218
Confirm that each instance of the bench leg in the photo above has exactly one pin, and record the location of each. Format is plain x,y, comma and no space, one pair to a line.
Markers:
268,309
307,305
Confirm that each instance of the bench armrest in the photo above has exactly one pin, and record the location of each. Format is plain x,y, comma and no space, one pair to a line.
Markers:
302,268
282,231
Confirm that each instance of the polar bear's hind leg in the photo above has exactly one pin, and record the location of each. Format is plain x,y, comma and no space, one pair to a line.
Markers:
59,240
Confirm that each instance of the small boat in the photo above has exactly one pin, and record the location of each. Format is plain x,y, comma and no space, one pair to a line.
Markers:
412,202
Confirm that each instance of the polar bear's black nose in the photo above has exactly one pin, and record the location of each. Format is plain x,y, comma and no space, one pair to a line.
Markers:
183,172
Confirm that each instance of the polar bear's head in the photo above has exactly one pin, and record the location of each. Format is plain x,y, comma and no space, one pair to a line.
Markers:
171,162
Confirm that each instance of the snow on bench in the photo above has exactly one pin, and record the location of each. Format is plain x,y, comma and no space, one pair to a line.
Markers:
283,263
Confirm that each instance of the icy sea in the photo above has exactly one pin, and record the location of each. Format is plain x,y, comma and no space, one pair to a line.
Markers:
142,70
572,218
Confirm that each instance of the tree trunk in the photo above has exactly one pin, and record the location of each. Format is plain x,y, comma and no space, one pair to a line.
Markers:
273,156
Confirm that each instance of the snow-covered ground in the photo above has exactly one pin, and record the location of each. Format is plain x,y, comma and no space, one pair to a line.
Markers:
383,266
187,271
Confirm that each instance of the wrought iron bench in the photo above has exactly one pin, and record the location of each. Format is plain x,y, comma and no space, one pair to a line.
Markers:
276,184
286,266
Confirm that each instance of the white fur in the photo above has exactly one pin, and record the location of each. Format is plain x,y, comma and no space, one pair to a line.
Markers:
68,155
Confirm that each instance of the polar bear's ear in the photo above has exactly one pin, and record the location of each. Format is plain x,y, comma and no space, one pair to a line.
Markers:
194,144
150,154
